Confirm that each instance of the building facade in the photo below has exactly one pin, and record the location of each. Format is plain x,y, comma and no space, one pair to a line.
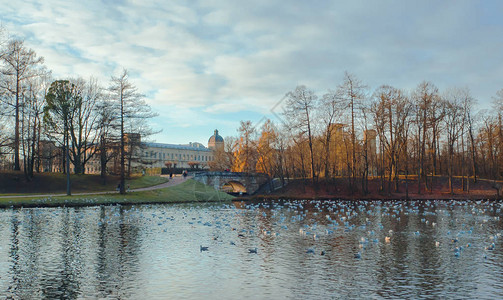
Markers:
159,155
147,155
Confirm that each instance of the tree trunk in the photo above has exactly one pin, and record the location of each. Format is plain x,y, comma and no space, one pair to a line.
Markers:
17,166
122,175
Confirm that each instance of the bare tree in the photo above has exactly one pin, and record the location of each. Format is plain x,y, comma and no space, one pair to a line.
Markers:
498,110
131,107
330,113
106,118
19,65
352,91
31,121
300,106
425,98
454,127
83,123
391,110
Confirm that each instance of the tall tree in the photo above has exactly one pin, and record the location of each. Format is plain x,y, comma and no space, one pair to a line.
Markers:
425,96
454,127
330,112
300,106
19,64
31,124
391,111
352,91
131,108
266,151
498,111
245,151
83,123
106,118
60,101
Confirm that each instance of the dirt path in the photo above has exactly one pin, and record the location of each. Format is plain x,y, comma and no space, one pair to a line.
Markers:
173,181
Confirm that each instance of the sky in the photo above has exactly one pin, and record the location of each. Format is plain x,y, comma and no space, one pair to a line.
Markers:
209,64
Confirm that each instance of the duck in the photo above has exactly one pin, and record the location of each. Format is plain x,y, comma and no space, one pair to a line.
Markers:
203,248
254,250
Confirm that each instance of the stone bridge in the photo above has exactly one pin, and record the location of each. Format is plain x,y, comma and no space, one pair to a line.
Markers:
233,182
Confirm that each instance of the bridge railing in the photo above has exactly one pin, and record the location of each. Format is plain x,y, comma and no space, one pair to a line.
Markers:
224,173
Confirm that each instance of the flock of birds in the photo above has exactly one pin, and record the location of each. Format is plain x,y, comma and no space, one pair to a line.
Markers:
476,225
378,223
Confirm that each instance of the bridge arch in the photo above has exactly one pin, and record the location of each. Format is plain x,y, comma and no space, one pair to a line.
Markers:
239,182
233,187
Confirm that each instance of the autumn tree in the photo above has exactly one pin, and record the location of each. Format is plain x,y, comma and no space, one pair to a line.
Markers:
266,150
245,151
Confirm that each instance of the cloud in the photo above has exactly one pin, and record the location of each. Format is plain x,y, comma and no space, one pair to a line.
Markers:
219,56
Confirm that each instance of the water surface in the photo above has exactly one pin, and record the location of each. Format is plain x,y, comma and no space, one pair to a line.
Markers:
305,250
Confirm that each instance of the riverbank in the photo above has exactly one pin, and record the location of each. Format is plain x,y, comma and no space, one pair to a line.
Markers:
186,191
338,189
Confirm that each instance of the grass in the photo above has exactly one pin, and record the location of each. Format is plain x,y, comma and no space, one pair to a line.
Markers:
11,183
188,191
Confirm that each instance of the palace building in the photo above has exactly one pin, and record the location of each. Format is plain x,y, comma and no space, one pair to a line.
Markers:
144,155
189,156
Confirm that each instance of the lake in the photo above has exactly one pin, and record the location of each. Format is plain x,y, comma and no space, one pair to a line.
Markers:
270,250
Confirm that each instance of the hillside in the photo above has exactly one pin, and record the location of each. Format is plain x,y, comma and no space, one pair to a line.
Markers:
48,183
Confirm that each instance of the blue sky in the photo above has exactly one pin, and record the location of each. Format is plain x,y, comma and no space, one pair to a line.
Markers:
209,64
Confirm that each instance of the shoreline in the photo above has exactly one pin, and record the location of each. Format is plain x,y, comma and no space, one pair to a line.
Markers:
184,190
454,197
129,202
100,203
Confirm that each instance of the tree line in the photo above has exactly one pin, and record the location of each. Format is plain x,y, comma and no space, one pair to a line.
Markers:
359,134
81,117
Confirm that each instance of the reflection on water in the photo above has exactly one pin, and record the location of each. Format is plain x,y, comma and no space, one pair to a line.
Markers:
431,249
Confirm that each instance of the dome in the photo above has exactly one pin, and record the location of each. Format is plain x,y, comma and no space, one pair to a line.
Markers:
216,142
216,138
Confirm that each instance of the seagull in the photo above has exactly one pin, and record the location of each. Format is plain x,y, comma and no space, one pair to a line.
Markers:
201,248
252,250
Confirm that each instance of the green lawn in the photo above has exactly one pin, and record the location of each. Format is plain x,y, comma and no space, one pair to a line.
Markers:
14,183
188,191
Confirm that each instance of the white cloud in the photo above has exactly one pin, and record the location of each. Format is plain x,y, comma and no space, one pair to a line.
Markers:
222,56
